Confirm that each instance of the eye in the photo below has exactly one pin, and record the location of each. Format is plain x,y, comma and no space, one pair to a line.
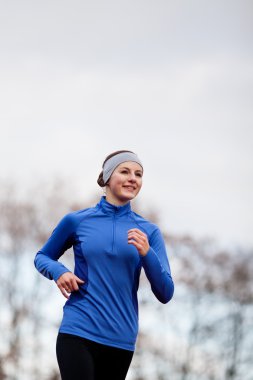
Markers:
139,174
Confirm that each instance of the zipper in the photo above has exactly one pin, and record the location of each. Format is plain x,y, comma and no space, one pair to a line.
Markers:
113,233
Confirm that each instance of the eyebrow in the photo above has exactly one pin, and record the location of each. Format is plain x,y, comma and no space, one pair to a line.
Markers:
137,170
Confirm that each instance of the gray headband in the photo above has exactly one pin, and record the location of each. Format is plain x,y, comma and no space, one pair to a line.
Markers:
116,160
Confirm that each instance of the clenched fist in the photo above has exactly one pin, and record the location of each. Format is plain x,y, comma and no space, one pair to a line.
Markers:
139,240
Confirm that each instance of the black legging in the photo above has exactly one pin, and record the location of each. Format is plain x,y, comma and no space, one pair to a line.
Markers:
83,359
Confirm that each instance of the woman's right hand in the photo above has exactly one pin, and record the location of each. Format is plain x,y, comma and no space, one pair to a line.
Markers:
68,282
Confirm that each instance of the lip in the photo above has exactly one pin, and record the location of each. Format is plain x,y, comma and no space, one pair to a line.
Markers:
130,187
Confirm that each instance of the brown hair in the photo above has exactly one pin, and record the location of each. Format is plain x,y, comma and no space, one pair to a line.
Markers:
100,180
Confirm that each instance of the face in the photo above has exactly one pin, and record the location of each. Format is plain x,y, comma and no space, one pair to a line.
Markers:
125,183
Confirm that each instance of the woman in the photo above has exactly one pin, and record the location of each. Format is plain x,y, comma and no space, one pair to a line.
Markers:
111,244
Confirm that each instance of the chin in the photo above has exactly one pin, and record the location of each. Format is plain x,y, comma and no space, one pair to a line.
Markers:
128,196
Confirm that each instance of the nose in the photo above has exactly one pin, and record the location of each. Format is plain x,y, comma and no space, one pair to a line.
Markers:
132,177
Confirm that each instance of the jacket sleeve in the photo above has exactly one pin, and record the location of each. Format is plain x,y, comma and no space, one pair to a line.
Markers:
46,260
157,268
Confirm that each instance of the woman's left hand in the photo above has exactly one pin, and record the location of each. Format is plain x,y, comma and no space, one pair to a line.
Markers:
139,240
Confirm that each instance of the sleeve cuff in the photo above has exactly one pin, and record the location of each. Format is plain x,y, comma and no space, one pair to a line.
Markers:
59,271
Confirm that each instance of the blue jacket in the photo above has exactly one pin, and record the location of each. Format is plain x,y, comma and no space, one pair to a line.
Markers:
105,308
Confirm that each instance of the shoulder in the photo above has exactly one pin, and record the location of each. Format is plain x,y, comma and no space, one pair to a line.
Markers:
72,219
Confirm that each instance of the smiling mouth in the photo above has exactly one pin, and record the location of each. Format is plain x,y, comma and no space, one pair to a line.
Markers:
129,187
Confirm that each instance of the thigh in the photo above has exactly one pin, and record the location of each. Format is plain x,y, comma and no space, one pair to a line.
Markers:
113,363
74,358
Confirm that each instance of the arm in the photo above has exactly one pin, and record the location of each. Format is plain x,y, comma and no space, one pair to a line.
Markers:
46,260
155,262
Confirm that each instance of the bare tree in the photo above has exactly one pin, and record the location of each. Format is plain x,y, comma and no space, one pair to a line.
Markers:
220,280
25,223
204,333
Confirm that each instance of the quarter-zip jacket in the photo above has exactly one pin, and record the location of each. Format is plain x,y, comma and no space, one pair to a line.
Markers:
105,308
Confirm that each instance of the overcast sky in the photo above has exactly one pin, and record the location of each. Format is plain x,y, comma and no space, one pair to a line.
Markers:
170,80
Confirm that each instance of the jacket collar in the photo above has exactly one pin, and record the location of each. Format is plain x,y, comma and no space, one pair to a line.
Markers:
111,209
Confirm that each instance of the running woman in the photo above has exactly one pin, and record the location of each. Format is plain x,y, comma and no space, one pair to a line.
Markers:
111,243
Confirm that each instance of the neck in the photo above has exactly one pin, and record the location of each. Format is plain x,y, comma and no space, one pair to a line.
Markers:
115,201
